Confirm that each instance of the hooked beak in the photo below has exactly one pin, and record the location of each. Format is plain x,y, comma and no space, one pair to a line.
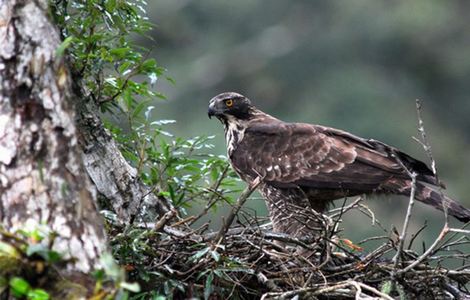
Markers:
211,111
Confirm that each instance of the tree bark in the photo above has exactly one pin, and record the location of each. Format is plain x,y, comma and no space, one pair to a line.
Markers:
113,176
42,179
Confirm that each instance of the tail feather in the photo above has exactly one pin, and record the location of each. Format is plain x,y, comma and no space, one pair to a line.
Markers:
432,196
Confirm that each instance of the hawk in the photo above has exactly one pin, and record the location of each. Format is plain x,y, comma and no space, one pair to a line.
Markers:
304,167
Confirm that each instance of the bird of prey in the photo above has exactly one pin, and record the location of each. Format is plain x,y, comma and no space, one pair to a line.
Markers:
304,167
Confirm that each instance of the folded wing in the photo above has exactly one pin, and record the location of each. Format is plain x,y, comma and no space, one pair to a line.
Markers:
310,156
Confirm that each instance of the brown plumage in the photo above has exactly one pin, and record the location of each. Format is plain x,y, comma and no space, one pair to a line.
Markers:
304,166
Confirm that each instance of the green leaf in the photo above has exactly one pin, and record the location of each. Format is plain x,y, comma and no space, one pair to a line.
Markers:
138,109
122,295
149,65
133,287
215,255
111,81
387,287
120,52
124,67
208,286
9,250
110,267
3,284
99,275
199,254
110,5
59,52
38,294
119,23
172,193
19,286
35,248
128,99
43,251
163,122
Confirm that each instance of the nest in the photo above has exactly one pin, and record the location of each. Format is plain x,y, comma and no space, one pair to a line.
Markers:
250,261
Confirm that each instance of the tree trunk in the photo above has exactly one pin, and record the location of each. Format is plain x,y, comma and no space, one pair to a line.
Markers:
42,179
113,176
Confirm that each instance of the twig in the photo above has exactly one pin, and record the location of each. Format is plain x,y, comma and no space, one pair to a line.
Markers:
338,212
401,239
458,230
241,200
428,252
213,199
266,282
163,220
183,221
424,139
427,148
358,286
289,239
416,234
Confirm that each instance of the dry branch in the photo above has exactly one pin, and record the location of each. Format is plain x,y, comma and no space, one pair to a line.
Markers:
241,200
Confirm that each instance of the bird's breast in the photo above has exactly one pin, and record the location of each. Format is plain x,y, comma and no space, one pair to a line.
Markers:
234,133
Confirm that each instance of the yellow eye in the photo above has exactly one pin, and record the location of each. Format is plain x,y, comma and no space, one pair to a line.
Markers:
229,102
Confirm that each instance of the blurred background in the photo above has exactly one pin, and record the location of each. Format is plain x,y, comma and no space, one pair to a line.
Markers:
354,65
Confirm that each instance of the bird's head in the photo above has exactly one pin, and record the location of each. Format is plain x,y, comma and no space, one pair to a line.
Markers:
230,105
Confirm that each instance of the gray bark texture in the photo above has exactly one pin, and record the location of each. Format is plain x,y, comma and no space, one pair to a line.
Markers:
113,176
42,179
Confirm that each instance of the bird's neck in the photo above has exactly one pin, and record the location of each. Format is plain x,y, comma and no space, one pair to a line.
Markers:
235,128
234,132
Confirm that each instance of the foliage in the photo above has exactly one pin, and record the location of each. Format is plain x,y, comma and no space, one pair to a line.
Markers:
29,263
182,170
25,249
101,52
121,78
21,288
